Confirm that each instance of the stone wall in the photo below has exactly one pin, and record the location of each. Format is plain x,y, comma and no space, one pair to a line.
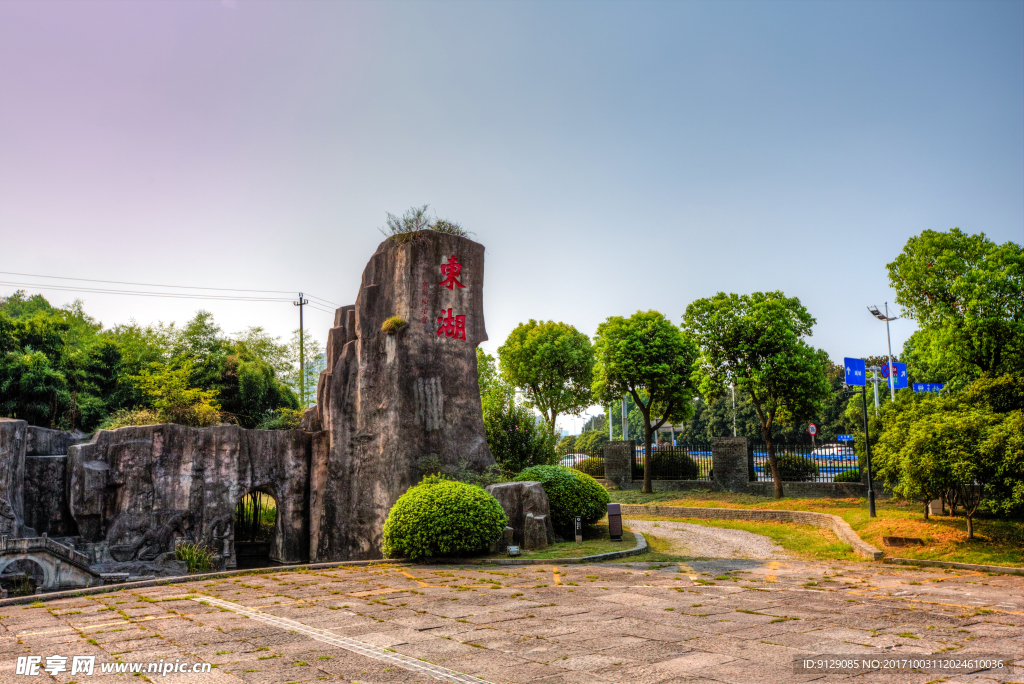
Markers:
732,463
13,440
618,463
133,489
389,402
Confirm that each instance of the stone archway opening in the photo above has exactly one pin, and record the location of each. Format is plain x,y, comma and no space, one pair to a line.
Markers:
255,528
22,577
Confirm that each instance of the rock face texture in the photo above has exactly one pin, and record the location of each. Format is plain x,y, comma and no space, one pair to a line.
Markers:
46,504
389,401
133,490
13,440
528,510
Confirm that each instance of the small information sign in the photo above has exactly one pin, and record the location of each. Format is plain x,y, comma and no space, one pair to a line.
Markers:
928,386
579,529
844,438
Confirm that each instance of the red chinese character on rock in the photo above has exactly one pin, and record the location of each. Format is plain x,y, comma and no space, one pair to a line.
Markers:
452,326
451,272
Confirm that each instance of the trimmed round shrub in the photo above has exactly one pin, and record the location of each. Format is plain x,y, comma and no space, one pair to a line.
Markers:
672,465
442,518
794,468
570,493
851,475
594,466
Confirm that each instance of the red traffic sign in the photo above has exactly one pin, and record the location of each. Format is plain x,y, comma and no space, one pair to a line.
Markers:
886,370
812,428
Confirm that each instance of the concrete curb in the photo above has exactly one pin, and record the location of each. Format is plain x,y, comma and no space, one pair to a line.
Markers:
641,547
1003,569
181,579
840,527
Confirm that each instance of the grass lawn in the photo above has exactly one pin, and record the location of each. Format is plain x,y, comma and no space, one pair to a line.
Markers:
996,542
595,541
803,541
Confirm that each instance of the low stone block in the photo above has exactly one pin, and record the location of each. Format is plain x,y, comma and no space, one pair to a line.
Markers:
535,534
520,499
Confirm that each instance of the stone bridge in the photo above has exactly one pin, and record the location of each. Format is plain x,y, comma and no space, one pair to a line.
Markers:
63,567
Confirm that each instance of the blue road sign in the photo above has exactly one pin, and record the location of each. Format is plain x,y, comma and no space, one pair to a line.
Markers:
844,438
928,386
855,372
900,379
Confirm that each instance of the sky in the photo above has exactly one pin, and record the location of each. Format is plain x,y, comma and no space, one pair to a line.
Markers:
611,156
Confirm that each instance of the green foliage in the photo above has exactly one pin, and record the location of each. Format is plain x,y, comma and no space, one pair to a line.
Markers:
415,219
432,467
281,419
593,466
566,445
440,518
130,417
197,557
514,435
651,360
175,402
964,291
796,468
552,363
673,465
851,475
570,494
392,325
591,441
757,343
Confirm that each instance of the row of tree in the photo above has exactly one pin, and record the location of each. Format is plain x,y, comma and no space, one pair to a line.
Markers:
964,291
60,368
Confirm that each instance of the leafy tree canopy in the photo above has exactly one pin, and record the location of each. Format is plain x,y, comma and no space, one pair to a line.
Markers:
756,342
651,360
552,363
967,295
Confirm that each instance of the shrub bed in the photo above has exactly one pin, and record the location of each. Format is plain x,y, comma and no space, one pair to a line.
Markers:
794,468
594,466
570,493
440,517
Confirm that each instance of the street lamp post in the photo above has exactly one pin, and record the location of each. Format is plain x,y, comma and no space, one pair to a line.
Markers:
885,317
732,388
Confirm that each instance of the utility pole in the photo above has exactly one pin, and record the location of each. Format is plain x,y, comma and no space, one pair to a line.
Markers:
302,354
867,447
625,425
611,436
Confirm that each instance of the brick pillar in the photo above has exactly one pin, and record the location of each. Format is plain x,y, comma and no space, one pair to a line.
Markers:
618,463
733,463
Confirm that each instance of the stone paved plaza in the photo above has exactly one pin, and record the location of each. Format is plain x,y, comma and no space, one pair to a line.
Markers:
703,621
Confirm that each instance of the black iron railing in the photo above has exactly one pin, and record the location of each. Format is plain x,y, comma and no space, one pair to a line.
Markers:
807,463
589,461
690,461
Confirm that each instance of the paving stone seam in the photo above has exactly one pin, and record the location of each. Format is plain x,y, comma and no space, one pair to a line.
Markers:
353,645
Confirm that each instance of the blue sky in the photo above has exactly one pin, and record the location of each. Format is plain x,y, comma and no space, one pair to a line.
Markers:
612,156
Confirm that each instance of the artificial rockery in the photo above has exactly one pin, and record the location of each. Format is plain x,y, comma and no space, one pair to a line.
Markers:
399,397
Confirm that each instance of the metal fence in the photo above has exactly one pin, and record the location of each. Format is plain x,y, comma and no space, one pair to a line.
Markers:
691,461
806,463
589,461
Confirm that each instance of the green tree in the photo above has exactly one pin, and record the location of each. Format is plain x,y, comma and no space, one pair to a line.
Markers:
515,435
552,363
757,342
168,387
652,360
967,295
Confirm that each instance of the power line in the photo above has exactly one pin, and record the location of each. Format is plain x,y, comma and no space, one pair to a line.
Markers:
119,282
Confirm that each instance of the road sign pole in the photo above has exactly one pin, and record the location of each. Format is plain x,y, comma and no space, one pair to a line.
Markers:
867,452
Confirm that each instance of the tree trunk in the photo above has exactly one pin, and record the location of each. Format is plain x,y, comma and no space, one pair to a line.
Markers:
927,503
970,526
647,457
774,463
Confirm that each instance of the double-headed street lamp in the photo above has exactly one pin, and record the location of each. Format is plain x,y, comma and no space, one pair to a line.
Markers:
885,317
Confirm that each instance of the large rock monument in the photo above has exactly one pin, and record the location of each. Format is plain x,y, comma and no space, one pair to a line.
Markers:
397,397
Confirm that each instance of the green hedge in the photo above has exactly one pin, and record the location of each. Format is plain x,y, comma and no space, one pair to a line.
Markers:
570,493
795,468
672,465
851,475
594,466
442,518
